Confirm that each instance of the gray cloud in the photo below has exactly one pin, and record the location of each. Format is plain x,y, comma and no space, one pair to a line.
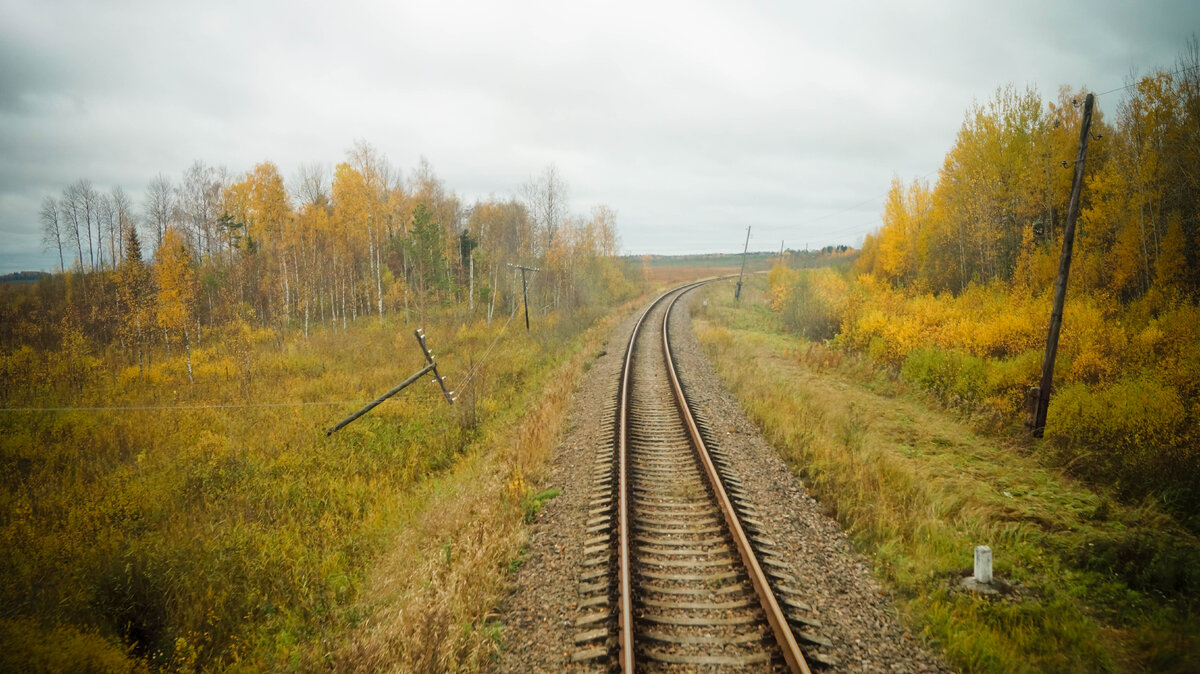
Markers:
691,119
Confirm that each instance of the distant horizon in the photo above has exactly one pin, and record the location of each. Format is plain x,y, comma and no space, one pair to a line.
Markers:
7,269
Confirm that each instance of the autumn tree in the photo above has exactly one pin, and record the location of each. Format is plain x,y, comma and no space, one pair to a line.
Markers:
175,278
370,192
107,228
364,243
79,203
310,184
1171,267
124,216
504,234
259,203
351,237
197,205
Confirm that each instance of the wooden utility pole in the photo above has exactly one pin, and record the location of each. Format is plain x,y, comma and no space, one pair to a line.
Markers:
1064,270
738,292
524,292
430,366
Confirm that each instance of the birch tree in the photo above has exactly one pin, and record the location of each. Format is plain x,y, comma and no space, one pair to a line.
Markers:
159,205
53,234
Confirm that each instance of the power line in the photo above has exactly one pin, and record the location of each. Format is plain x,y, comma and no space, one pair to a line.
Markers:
471,374
145,408
1134,84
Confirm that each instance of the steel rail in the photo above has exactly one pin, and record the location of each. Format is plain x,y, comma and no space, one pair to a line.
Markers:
625,617
766,597
779,626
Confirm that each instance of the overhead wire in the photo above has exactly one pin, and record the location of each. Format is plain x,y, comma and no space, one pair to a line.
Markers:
143,408
1131,85
471,373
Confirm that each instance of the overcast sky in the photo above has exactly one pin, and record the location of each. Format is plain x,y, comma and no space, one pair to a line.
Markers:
692,119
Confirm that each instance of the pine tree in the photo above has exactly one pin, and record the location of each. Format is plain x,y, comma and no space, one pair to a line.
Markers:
133,293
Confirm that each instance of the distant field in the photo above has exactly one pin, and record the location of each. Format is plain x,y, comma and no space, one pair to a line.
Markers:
684,273
683,268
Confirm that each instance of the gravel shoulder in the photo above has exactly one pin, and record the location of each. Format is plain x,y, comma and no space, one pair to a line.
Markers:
539,614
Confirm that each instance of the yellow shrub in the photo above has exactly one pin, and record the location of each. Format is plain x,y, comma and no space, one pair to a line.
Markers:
780,281
1089,366
1130,433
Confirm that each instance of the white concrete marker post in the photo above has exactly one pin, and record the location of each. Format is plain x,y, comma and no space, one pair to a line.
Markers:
983,564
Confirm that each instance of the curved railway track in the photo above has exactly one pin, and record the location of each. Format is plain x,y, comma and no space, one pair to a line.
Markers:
684,559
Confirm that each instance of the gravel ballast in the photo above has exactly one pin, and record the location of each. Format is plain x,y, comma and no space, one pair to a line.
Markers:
540,612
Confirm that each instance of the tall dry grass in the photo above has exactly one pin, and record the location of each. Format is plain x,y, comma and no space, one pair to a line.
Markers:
429,598
203,537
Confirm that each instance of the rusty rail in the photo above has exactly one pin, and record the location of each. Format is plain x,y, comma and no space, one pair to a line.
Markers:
779,625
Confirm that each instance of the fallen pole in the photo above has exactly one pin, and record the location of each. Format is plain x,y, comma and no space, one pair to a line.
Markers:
371,405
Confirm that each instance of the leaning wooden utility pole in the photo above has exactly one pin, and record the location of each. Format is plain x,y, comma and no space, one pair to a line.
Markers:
430,366
1064,270
738,292
524,293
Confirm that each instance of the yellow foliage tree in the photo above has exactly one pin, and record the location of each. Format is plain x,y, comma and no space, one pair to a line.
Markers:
1170,269
175,276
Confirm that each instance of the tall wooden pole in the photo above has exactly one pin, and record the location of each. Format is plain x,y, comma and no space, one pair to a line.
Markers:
524,292
738,292
1064,270
525,297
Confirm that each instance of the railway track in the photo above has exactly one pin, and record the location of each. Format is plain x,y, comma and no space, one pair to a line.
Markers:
678,572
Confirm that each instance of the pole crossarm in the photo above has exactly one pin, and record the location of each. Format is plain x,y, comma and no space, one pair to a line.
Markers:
420,334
